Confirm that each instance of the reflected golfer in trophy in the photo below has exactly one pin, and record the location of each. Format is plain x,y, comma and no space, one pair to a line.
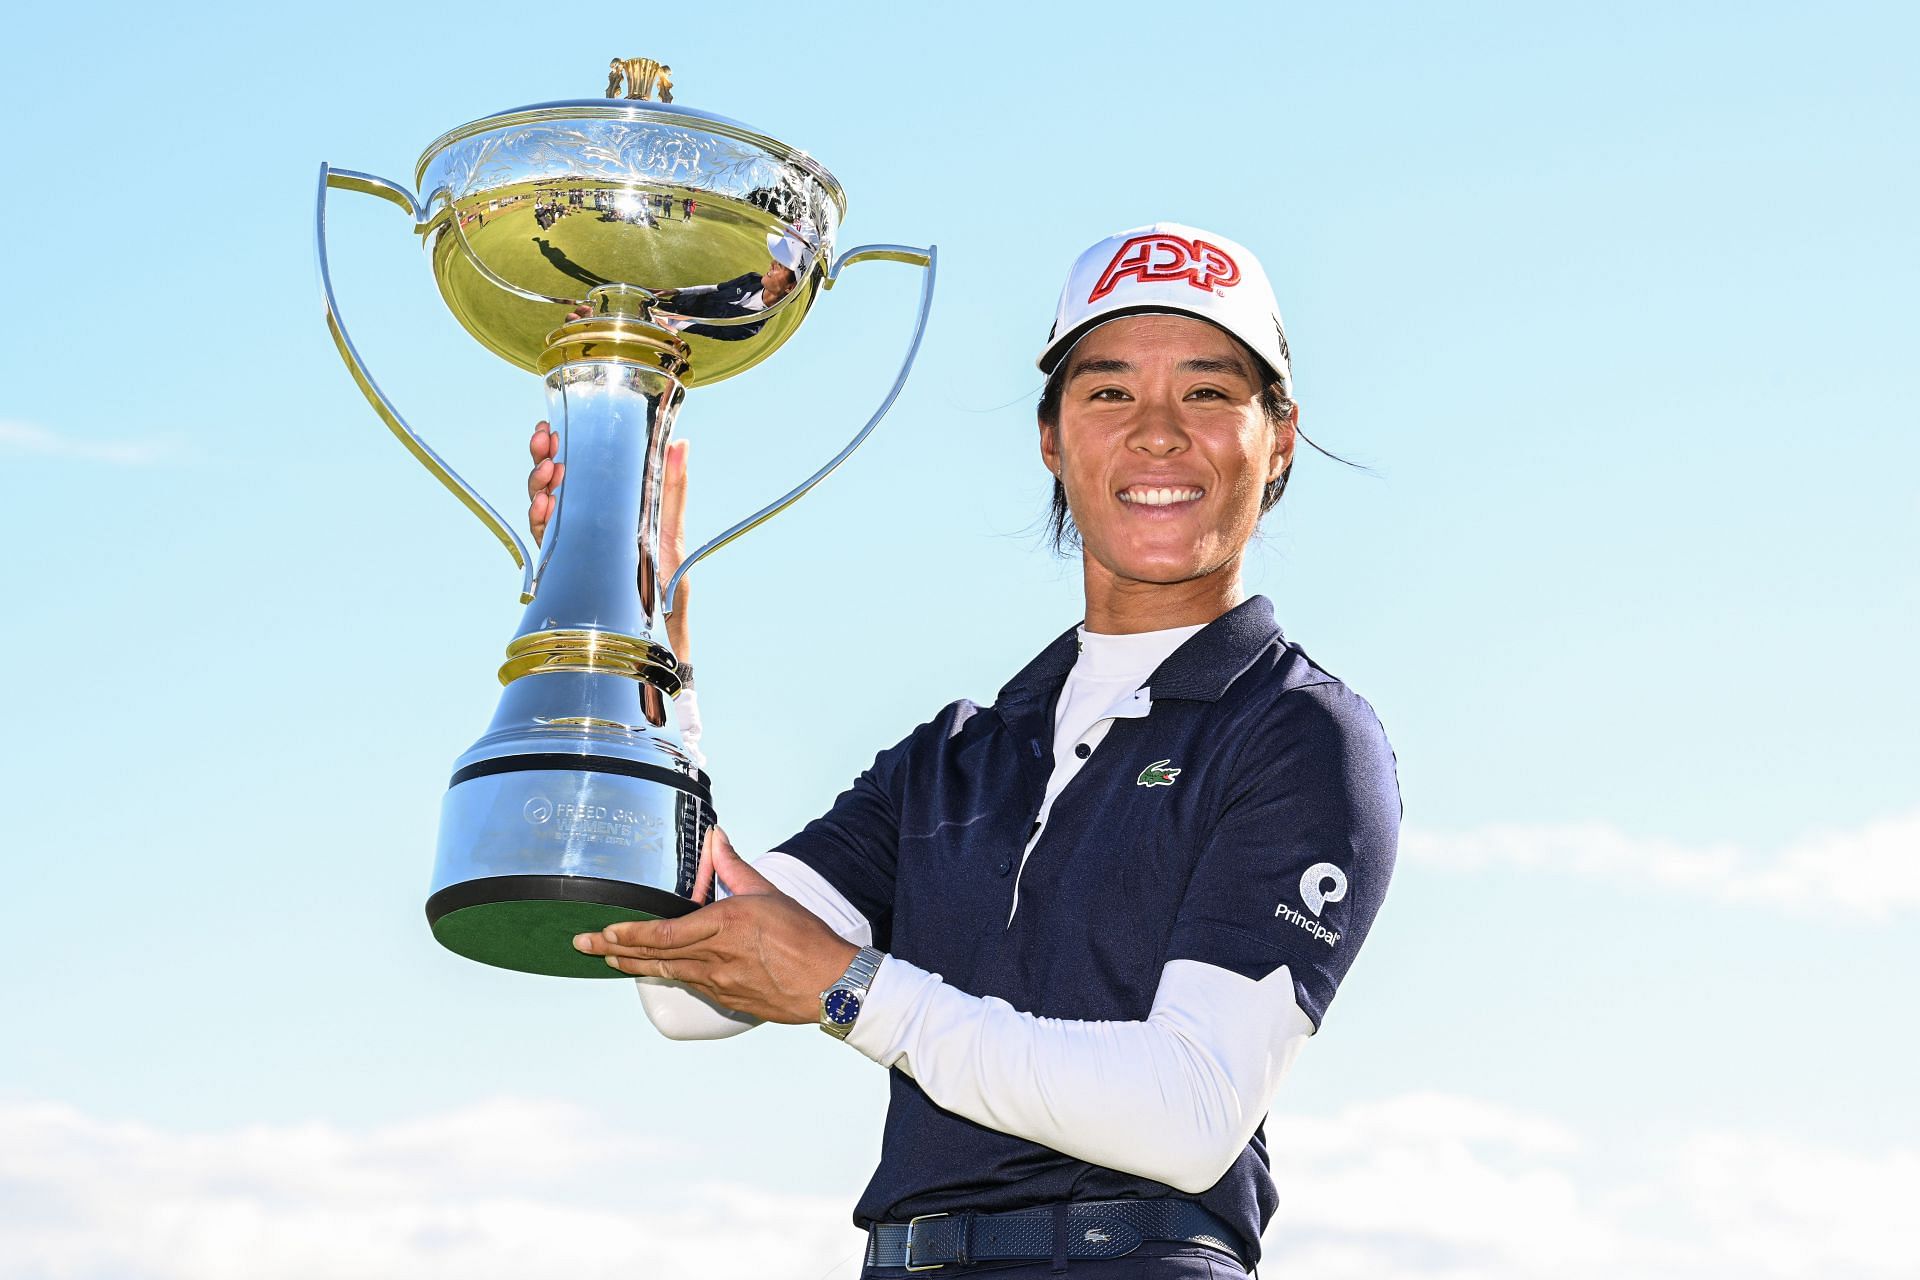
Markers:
550,233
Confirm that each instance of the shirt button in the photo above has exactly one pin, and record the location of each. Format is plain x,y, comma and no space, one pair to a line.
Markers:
1082,750
1004,866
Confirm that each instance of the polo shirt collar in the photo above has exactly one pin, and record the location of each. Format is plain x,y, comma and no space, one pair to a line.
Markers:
1201,669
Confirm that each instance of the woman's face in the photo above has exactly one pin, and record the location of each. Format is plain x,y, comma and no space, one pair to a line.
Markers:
1163,448
776,282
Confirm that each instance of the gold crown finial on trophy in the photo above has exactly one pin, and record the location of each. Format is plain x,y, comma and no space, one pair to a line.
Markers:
643,76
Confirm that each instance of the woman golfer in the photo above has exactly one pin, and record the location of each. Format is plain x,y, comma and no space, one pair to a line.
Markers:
1090,925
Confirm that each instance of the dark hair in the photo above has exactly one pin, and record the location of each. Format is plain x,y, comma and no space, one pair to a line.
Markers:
1274,403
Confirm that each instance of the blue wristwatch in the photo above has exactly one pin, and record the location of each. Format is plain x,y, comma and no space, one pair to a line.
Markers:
840,1003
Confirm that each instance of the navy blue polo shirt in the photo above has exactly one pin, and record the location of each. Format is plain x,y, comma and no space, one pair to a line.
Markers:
1271,844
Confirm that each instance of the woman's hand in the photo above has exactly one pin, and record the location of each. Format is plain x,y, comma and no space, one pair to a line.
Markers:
543,482
543,488
757,952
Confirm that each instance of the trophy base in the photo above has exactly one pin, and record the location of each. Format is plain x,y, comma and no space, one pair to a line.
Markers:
527,923
537,846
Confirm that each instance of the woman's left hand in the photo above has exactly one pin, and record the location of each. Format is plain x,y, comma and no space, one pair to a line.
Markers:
758,952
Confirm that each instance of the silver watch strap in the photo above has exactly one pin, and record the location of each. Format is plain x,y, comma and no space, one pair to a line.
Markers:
862,969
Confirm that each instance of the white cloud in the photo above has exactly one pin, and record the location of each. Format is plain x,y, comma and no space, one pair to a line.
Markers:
1417,1187
26,437
1871,871
504,1191
1433,1187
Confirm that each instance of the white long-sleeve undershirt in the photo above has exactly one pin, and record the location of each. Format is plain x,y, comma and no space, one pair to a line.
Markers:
1193,1079
1175,1098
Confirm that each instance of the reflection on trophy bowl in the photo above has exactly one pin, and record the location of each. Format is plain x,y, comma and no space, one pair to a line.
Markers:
534,207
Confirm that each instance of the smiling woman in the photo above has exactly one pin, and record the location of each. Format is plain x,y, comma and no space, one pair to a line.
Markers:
1090,926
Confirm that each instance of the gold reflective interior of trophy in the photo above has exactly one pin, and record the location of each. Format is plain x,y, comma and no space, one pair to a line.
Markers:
723,235
564,239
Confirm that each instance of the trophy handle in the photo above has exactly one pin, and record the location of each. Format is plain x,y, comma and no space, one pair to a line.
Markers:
926,258
368,184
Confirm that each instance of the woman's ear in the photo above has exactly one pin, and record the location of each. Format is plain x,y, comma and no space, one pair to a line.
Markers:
1050,446
1283,440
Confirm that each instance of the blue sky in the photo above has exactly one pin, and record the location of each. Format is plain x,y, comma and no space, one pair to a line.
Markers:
1616,307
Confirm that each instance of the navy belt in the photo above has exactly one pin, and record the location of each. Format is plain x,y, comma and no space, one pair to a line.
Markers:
1081,1229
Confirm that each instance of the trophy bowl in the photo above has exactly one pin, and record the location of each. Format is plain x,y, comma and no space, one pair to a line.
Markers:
624,251
537,206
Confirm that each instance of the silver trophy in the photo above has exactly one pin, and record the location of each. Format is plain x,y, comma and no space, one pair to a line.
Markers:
624,250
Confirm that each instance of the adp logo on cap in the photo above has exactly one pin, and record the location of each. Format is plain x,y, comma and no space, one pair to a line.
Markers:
1162,256
1172,268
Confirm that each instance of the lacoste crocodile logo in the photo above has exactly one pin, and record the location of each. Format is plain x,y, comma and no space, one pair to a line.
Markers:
1158,775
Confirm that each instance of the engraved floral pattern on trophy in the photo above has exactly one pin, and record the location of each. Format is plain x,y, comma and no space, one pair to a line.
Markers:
635,152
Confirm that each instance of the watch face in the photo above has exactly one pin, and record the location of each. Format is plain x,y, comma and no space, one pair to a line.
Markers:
843,1006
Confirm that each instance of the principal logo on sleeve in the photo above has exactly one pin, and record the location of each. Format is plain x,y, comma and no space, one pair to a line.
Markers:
1320,884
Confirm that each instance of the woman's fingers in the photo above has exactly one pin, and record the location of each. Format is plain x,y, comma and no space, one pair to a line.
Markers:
648,938
538,512
539,505
703,873
545,478
678,969
543,482
673,509
673,546
733,871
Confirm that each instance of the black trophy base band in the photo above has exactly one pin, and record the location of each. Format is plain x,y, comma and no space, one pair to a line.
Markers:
693,784
527,923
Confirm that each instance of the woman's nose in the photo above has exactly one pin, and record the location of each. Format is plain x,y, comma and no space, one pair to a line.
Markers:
1157,429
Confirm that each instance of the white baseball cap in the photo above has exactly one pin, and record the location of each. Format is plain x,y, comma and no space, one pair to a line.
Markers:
1171,267
786,250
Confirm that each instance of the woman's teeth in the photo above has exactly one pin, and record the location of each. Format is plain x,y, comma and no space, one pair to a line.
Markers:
1159,497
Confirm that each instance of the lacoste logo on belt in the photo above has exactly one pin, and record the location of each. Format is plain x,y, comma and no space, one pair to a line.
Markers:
1158,775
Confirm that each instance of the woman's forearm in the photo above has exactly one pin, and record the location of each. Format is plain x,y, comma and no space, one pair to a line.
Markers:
1174,1098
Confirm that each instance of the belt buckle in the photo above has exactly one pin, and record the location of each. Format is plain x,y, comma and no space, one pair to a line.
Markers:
913,1222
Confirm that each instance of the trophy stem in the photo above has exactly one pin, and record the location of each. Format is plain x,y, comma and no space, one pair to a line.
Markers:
596,596
580,806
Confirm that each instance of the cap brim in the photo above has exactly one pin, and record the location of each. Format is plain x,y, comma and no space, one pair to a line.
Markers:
1056,350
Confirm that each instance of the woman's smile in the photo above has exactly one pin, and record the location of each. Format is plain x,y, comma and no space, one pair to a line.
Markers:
1169,498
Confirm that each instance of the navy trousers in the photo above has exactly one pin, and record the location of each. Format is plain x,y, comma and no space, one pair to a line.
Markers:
1151,1261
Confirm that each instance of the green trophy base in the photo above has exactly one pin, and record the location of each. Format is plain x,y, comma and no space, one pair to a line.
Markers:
528,923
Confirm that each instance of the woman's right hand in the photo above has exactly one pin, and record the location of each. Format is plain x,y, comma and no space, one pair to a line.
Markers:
543,487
